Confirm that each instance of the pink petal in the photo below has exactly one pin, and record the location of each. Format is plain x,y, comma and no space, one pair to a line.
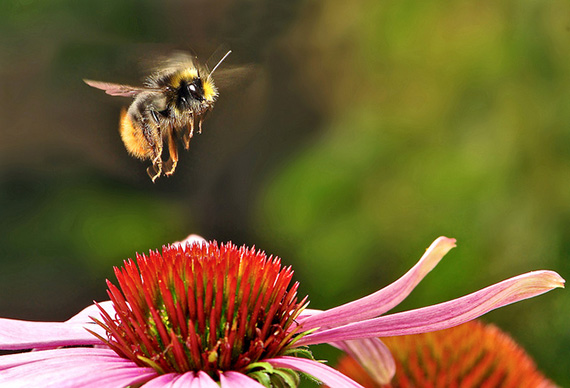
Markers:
16,334
204,381
306,313
188,379
84,316
320,371
184,380
381,301
162,381
238,380
191,239
100,354
89,367
444,315
373,355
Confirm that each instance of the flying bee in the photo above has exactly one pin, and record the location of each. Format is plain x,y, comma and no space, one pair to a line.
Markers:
169,105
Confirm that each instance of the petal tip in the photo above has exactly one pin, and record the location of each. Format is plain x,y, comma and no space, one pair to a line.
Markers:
441,246
549,279
543,280
446,241
557,280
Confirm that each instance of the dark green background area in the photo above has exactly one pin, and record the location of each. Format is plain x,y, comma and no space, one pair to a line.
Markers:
357,133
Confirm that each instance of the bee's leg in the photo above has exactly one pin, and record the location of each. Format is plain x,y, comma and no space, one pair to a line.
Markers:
200,124
154,172
173,151
187,136
186,140
152,127
201,119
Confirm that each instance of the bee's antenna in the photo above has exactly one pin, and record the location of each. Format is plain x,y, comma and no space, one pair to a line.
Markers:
218,64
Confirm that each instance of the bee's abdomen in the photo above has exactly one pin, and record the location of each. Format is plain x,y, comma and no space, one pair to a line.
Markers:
133,137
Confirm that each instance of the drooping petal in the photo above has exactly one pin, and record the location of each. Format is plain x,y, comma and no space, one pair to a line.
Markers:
84,367
238,380
381,301
16,334
320,371
373,355
443,315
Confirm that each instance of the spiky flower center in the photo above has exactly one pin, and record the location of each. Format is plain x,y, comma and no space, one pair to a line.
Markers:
205,307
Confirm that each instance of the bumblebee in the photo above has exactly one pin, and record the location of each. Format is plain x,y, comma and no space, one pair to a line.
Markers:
171,103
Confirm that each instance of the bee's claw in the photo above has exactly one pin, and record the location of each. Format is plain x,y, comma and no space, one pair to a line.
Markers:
170,167
154,171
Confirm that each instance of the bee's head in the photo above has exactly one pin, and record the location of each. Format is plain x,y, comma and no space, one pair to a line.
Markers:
195,89
193,92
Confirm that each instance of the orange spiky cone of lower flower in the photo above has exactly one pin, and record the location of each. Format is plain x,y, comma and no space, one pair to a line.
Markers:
469,355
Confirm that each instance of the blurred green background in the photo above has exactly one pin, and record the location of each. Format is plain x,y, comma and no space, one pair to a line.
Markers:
361,132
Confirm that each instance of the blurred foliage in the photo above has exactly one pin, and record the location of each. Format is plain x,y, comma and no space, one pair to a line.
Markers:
78,229
367,130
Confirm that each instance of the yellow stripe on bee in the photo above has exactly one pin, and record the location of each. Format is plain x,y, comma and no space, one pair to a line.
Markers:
187,74
210,91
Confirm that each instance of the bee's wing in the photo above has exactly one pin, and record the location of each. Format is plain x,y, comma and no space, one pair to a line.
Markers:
116,89
169,64
235,76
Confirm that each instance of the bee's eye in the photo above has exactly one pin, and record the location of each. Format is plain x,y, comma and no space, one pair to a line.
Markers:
195,90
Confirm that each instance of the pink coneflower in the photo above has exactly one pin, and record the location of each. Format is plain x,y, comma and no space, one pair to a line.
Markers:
204,315
473,354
